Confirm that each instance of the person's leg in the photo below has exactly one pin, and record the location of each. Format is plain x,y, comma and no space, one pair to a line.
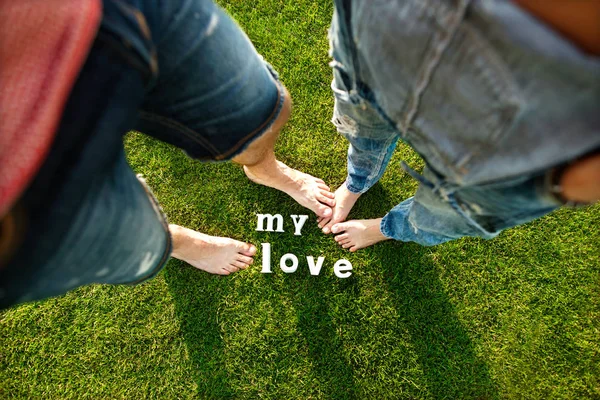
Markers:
261,166
466,114
372,141
86,218
217,99
437,214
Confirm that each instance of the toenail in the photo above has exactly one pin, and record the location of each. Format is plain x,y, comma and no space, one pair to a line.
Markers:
334,229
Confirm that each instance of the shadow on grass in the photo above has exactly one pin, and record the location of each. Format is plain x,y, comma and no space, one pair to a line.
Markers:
449,363
197,303
444,350
197,311
450,366
330,366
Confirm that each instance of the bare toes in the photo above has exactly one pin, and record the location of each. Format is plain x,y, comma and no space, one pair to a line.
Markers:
231,268
353,249
245,259
336,228
327,228
323,222
239,264
248,249
326,200
323,211
341,237
347,245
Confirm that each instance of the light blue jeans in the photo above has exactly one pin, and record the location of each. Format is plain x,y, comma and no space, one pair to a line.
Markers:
490,98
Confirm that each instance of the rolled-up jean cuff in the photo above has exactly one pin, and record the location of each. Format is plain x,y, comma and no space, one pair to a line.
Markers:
243,144
353,189
383,227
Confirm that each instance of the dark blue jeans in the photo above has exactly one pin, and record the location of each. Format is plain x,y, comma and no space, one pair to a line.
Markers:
181,71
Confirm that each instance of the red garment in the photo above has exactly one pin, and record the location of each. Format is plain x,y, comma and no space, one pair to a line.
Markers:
43,46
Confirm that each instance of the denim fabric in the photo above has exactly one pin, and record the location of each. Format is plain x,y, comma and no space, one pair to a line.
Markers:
210,92
181,71
489,97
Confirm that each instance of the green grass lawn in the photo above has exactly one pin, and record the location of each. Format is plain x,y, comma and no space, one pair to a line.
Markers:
515,317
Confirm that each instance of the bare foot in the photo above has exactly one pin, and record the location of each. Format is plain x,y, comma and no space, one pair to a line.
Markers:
358,233
215,255
344,201
307,190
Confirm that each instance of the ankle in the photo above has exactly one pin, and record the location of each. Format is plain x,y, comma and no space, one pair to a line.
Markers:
180,238
270,173
374,227
265,162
